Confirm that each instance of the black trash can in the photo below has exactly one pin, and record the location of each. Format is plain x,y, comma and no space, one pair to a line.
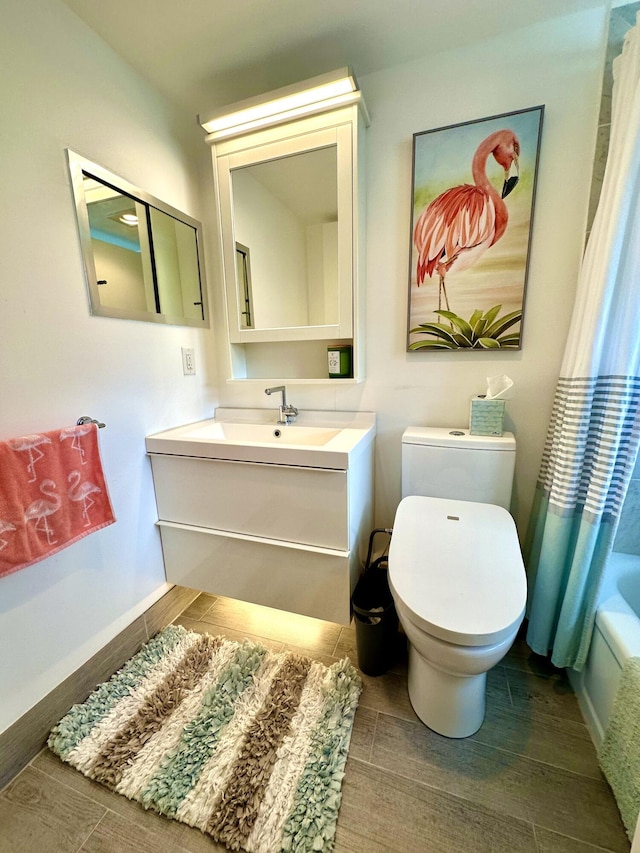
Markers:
376,618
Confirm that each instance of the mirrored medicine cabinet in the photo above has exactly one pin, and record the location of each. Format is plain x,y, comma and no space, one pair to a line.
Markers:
143,258
290,205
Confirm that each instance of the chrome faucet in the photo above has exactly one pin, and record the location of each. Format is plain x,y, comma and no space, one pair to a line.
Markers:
286,414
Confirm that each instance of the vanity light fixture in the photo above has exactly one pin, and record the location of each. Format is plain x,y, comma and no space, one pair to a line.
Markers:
319,94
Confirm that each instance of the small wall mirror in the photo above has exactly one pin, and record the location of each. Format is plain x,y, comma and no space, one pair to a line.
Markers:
143,259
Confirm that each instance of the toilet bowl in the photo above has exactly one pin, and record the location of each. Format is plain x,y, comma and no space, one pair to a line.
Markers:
458,582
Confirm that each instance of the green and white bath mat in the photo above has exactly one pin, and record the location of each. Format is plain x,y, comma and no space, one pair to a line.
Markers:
244,743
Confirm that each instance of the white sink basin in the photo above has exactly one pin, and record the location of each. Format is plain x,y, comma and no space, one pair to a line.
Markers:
261,433
315,439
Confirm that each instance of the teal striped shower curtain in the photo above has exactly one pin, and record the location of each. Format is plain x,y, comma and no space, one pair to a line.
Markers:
594,433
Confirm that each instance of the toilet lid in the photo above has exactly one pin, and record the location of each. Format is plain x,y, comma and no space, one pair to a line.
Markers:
457,566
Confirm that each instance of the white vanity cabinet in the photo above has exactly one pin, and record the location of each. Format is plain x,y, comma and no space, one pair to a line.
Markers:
291,212
288,536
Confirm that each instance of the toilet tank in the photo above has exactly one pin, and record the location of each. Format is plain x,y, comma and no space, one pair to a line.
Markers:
451,463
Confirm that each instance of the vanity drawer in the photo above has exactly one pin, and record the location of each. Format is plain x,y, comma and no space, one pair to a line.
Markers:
298,578
288,503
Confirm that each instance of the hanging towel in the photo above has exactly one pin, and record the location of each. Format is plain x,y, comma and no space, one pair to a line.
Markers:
52,493
619,754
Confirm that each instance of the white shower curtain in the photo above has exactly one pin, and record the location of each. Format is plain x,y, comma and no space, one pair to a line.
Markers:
594,432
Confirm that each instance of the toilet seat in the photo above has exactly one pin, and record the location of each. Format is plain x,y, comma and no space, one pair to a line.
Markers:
457,568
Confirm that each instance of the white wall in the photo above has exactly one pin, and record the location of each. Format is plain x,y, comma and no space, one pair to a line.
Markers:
558,64
61,86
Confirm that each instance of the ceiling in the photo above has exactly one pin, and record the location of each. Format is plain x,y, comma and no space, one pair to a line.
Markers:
203,54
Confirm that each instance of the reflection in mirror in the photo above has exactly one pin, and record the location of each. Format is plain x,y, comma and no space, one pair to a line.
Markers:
243,271
286,216
143,259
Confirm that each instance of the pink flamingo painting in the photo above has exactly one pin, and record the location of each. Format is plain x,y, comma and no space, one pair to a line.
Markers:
458,226
5,527
41,509
29,444
81,492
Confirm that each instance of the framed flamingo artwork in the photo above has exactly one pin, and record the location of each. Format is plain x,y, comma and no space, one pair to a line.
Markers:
474,187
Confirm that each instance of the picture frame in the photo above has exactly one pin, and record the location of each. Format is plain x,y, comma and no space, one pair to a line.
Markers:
472,203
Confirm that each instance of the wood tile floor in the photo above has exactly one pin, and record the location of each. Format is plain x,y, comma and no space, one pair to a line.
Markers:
528,781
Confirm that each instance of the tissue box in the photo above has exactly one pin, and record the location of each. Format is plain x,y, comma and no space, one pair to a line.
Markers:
486,416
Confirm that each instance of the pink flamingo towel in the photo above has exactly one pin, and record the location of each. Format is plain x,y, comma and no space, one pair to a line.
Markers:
52,493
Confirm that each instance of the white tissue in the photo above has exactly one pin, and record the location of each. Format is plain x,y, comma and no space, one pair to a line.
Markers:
498,388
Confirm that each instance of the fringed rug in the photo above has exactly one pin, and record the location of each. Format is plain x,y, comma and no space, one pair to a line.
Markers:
244,743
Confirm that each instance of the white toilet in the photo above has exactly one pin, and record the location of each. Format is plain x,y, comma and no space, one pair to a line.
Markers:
455,570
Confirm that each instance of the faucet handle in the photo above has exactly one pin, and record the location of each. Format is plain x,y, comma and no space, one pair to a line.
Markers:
288,414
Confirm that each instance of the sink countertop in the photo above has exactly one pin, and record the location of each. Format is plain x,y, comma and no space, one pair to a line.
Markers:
334,437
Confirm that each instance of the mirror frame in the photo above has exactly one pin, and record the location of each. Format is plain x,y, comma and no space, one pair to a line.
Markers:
275,143
79,166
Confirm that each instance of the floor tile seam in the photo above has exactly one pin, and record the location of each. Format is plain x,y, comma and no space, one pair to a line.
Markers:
536,841
102,817
532,827
558,676
593,847
267,641
212,607
220,599
459,797
146,629
310,652
547,680
373,738
212,626
509,694
75,790
185,615
556,716
481,806
259,638
521,705
545,714
19,772
468,799
45,749
521,714
328,651
530,671
363,704
554,677
207,610
536,760
479,741
337,643
485,745
107,809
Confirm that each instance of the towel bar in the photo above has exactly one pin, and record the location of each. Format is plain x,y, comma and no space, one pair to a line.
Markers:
85,419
